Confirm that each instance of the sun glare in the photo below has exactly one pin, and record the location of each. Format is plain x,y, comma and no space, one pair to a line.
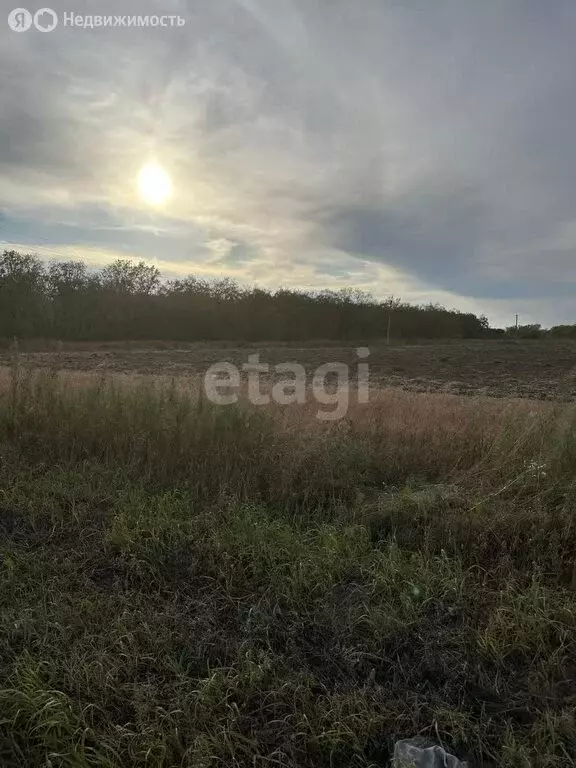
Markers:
154,184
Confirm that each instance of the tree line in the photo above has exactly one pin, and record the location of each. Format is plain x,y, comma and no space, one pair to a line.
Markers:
535,331
129,301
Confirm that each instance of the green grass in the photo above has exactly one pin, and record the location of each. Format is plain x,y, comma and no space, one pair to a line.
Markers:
186,585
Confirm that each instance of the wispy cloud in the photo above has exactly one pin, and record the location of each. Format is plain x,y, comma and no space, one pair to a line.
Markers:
420,150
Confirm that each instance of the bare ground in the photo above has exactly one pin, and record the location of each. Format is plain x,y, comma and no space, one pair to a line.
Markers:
543,370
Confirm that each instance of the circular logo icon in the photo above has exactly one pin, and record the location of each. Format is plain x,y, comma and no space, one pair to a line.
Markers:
45,20
19,20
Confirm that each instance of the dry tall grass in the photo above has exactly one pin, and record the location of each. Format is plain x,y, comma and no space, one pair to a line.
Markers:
193,585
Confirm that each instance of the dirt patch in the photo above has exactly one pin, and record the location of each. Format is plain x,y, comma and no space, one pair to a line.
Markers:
544,370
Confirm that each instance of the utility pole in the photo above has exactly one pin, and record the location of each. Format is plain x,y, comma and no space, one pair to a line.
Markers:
388,328
516,325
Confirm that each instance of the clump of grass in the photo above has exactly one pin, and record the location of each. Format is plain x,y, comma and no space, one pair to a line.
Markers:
187,585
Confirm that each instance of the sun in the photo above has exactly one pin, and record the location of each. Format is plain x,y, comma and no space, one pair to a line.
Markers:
154,184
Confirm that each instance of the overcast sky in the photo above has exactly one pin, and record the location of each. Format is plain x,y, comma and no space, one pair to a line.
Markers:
408,147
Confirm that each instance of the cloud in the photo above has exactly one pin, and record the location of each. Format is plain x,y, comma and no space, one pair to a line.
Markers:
420,150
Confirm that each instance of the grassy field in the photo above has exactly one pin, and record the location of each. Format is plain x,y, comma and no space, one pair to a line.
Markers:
191,585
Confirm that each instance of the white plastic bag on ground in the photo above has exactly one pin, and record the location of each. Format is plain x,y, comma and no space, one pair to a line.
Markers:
413,753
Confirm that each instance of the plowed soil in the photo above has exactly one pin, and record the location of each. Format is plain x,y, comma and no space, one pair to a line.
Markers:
544,370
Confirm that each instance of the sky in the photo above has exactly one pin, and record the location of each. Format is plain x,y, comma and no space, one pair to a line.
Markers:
419,149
